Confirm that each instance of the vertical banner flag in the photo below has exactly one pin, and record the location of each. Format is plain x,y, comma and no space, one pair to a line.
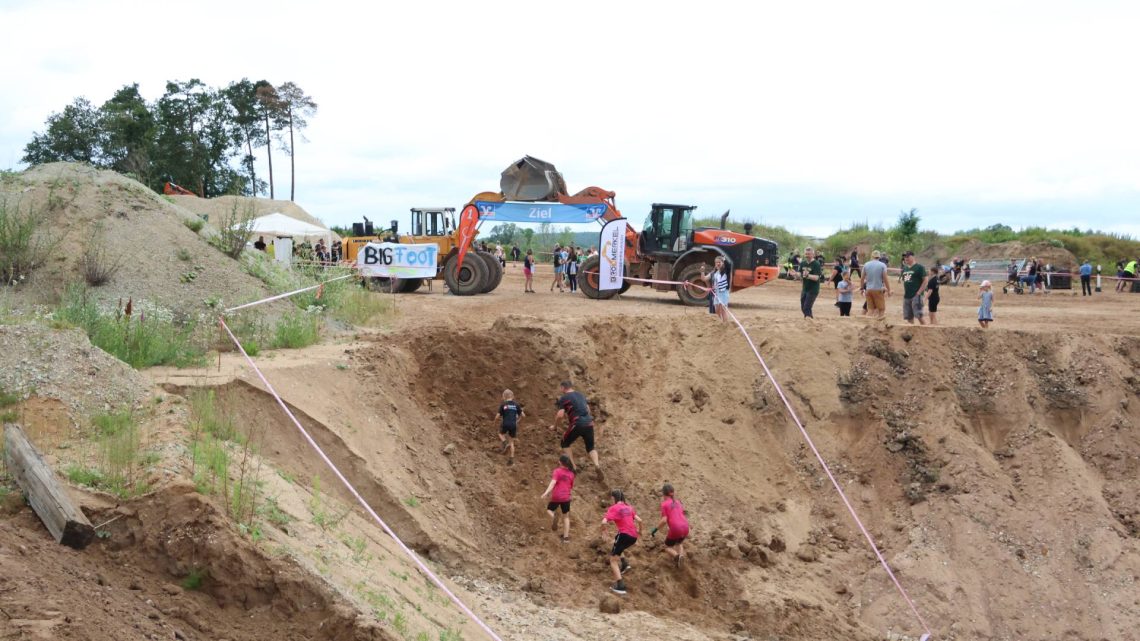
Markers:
468,220
611,244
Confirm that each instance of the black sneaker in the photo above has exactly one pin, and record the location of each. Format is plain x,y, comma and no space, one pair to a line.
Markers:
618,588
625,566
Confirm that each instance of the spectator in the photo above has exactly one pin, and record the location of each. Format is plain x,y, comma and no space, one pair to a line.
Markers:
855,263
837,272
260,244
337,250
932,285
1030,277
875,286
1119,275
843,294
985,310
557,258
572,270
965,270
914,284
719,280
1086,278
500,256
515,253
811,272
1130,269
528,272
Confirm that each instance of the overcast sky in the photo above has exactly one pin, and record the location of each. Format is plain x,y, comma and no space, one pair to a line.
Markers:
811,115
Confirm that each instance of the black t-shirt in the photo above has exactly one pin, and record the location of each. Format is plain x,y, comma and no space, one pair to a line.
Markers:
932,285
510,411
577,409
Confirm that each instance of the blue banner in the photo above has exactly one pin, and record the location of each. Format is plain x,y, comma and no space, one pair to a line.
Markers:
515,212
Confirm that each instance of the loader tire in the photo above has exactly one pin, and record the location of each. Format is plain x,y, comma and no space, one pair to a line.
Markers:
494,271
468,280
691,295
588,280
409,285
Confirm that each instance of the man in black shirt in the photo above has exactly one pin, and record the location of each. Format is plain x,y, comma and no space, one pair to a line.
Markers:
573,406
509,412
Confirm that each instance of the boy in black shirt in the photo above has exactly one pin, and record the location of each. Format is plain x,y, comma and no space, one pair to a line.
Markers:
573,406
509,411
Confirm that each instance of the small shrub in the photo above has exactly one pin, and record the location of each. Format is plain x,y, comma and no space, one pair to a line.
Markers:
209,418
23,243
194,224
194,579
183,254
273,513
296,330
412,501
235,229
84,476
98,266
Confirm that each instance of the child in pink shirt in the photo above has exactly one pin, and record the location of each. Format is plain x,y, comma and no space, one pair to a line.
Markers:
628,523
561,484
673,518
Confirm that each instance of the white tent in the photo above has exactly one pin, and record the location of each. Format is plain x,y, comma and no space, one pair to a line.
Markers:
281,225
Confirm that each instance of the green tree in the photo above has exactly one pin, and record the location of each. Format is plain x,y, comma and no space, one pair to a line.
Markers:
905,231
295,110
195,139
127,132
269,106
71,136
246,114
503,234
528,238
566,236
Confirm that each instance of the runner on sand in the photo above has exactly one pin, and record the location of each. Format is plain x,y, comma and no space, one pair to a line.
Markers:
574,407
509,412
677,526
628,523
561,484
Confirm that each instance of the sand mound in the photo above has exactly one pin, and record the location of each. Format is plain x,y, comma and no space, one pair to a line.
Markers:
217,208
137,227
1057,256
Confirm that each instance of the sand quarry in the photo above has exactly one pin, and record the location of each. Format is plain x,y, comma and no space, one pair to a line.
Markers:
997,469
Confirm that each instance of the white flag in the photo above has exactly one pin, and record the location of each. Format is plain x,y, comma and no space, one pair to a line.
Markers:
612,251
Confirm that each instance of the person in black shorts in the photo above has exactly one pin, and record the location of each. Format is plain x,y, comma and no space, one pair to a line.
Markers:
509,412
934,297
579,424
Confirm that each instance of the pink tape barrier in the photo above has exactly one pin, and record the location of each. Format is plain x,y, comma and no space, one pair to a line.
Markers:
286,294
332,466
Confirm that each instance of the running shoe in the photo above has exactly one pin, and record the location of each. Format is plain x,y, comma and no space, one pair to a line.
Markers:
618,588
625,566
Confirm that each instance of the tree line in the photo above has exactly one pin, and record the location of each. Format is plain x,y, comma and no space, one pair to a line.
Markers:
202,138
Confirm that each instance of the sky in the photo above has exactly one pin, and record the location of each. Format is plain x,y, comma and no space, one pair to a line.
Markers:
811,115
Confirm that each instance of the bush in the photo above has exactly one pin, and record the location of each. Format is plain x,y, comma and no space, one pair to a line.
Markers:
134,338
98,266
194,224
235,229
23,245
296,330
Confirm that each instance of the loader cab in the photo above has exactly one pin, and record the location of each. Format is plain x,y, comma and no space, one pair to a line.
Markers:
433,221
668,229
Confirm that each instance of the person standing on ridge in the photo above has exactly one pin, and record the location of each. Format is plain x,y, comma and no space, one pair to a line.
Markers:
572,406
561,485
676,524
914,284
628,523
509,412
1086,278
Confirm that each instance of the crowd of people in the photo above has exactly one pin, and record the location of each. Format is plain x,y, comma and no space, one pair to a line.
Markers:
573,407
921,289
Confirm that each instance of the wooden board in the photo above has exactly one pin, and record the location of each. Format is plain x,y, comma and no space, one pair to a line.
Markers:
46,495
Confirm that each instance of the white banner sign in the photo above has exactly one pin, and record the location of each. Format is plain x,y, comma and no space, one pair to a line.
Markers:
612,265
393,260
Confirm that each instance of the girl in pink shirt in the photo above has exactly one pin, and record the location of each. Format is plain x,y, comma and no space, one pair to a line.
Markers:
628,523
673,517
561,484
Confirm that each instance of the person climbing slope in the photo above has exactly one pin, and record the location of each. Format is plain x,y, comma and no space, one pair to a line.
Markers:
509,412
561,485
579,424
677,526
628,524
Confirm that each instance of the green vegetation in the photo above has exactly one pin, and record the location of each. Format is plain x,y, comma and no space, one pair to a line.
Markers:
273,512
7,401
1098,247
131,334
97,264
119,464
194,579
24,245
235,229
412,501
296,330
194,224
325,515
360,307
224,459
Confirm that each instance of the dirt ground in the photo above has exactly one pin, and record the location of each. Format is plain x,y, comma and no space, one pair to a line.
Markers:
996,468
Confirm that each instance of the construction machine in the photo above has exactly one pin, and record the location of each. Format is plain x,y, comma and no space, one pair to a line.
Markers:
430,226
669,247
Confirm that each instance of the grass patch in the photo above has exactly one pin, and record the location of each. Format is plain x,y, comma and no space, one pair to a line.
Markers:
412,501
358,306
23,244
119,463
136,338
209,418
97,264
296,330
193,580
273,513
195,224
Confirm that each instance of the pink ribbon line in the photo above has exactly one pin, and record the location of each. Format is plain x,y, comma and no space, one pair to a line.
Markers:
408,551
286,294
835,483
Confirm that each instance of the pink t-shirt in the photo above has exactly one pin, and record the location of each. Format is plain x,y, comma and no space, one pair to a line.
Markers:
621,514
563,483
674,514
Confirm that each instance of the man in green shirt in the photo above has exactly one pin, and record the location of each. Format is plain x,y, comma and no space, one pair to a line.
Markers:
811,272
914,284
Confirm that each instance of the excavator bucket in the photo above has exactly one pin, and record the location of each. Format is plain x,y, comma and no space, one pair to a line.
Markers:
531,179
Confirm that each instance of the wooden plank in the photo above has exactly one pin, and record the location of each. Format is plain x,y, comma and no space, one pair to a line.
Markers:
63,519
